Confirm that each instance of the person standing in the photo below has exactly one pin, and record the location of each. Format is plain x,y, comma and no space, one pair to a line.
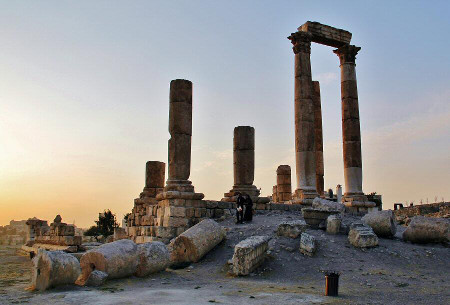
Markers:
248,215
239,208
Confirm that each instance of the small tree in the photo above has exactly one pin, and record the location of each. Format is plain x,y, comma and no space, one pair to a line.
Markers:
106,223
92,231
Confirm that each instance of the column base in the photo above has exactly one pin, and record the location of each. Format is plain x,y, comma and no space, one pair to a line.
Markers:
304,196
179,189
250,190
357,204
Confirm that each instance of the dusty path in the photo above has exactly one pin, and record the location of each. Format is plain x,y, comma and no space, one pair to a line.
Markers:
393,273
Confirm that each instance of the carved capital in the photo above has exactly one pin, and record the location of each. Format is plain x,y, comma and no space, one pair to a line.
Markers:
301,42
347,53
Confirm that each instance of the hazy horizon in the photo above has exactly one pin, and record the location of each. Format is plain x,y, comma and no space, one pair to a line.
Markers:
84,94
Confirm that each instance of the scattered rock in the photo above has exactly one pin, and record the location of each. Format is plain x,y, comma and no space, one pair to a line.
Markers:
249,254
291,229
381,222
333,224
96,278
327,205
362,236
427,230
308,244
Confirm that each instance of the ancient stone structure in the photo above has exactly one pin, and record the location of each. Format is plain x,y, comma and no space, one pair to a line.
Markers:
318,138
308,135
351,133
282,192
180,129
244,166
57,236
249,254
142,212
304,119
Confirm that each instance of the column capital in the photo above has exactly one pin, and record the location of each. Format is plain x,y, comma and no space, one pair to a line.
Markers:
301,42
347,53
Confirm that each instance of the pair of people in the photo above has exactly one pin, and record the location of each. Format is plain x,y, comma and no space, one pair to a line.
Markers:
244,208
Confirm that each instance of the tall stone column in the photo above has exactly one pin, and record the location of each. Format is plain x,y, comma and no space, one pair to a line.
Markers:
318,138
304,119
351,133
244,165
180,129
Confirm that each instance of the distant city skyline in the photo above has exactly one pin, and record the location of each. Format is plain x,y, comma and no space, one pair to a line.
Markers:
84,94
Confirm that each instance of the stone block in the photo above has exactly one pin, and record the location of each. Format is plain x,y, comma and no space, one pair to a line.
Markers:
174,211
291,229
308,244
333,224
249,254
175,221
381,222
327,205
427,230
196,203
362,236
165,232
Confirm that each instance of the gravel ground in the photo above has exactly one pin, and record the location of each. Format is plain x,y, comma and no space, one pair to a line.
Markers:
393,273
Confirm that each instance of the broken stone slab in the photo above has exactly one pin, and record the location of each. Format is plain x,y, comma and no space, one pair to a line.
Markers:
316,217
381,222
54,268
308,244
96,278
249,254
423,229
327,205
118,259
292,229
333,224
362,236
153,257
194,243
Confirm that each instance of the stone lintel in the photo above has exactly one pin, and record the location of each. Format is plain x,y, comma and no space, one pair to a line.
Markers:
325,34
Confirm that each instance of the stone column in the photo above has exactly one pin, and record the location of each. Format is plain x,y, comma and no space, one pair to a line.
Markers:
180,129
244,164
351,133
154,178
304,119
318,138
284,188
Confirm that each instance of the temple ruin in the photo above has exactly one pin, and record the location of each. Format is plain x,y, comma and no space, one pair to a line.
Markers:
165,210
308,125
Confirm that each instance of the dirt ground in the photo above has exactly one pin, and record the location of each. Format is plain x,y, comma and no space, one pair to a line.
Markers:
393,273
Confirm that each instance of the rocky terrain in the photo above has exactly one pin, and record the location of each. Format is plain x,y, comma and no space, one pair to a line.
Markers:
395,272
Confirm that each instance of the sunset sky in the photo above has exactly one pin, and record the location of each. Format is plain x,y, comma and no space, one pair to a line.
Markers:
84,88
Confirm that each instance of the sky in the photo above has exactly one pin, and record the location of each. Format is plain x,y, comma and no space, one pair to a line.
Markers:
84,89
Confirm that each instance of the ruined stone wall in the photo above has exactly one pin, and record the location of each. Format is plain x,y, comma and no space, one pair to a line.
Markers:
438,209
